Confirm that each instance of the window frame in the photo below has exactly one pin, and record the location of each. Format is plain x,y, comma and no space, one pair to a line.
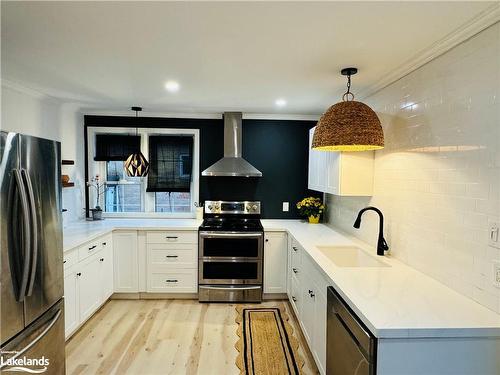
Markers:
148,199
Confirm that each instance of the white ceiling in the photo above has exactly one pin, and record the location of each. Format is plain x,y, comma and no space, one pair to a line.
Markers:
225,55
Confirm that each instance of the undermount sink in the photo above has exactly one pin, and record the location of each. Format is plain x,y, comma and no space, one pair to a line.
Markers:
350,256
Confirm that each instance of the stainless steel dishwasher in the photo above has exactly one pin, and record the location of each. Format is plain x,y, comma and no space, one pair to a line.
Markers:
351,348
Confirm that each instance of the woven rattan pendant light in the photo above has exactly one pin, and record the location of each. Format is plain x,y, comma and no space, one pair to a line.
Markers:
348,125
136,164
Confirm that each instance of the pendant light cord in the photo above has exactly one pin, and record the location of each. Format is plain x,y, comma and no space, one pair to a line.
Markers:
345,97
136,116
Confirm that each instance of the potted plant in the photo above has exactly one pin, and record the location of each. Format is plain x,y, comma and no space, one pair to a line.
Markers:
100,189
312,208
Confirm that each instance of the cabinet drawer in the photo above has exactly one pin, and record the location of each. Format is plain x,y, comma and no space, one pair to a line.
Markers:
295,297
314,273
296,257
176,281
89,249
172,237
176,255
70,258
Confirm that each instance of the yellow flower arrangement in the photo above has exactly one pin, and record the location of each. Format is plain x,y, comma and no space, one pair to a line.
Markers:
311,206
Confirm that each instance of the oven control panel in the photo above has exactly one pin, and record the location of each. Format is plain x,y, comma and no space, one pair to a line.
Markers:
231,207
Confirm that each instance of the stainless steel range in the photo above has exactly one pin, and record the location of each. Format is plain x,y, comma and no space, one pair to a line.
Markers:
231,246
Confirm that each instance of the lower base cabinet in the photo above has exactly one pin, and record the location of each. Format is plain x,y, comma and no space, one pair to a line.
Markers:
307,294
89,287
71,309
275,262
88,283
125,262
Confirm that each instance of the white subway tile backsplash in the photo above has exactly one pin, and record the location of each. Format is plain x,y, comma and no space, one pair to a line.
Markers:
438,178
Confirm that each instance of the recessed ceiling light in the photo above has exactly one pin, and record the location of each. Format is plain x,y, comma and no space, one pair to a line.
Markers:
172,86
280,102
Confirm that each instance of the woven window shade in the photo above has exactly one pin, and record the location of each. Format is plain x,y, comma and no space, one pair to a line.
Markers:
116,147
170,163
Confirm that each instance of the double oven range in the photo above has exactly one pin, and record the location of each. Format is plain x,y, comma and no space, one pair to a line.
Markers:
231,247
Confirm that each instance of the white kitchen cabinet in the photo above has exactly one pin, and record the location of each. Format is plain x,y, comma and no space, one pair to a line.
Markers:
90,296
71,308
106,271
307,295
318,162
172,261
88,282
307,311
125,262
275,262
340,173
319,334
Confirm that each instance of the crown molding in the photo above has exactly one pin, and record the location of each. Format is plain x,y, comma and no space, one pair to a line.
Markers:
130,113
482,21
16,86
217,115
280,116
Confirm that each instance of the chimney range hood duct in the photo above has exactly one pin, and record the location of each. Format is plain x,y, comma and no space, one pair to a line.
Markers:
232,164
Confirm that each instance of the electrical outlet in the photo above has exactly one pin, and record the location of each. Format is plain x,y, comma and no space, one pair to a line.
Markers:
494,234
496,273
286,206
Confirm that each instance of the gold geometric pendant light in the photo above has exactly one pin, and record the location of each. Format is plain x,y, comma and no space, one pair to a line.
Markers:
136,164
348,125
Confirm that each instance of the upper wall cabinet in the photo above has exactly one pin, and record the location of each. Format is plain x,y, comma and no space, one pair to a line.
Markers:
340,173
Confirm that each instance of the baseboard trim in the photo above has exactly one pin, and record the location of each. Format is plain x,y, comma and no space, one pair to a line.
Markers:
144,295
274,296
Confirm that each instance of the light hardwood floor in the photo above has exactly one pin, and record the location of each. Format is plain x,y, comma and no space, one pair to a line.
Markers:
143,337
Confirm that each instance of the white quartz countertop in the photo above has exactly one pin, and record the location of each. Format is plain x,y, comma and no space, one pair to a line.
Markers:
76,234
393,302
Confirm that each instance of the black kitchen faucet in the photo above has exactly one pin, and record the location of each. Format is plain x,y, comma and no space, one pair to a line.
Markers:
381,243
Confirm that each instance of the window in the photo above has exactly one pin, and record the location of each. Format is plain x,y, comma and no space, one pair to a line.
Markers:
122,193
172,202
170,192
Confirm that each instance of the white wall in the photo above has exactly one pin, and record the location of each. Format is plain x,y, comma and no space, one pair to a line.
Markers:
28,112
438,178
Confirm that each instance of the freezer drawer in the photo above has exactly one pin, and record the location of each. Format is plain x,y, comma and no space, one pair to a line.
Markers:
42,341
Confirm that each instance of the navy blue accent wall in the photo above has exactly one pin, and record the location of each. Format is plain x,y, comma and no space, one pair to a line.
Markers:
278,148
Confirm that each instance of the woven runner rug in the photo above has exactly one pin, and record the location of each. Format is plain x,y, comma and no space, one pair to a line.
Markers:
266,344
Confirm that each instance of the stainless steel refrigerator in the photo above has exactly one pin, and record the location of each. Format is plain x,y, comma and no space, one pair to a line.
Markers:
32,308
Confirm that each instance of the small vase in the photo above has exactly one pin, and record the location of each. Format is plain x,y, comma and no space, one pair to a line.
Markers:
313,219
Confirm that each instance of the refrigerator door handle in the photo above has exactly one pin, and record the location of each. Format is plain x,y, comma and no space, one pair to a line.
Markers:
34,229
26,236
36,339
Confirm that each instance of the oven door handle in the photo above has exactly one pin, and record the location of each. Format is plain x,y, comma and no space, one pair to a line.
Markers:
230,288
214,234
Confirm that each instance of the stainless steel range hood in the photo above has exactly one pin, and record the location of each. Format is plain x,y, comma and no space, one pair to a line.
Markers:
232,164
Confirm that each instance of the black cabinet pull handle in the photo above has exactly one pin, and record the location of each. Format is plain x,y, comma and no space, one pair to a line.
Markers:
64,261
102,259
171,281
267,240
311,293
79,274
172,256
294,299
294,248
295,270
104,244
93,247
171,237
